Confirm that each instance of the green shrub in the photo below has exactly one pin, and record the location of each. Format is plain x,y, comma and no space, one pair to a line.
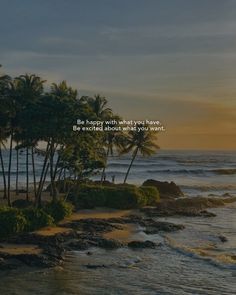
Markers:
58,210
36,218
151,193
88,196
12,221
22,203
115,196
126,197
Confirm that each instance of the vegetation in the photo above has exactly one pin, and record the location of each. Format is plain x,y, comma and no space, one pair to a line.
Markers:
12,221
143,142
32,117
36,218
151,194
15,220
113,196
59,210
39,123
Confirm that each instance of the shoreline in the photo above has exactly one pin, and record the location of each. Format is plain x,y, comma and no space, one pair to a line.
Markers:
101,227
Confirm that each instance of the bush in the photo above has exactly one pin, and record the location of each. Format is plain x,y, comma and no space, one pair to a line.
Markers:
36,218
126,197
58,210
152,195
115,196
88,196
21,203
12,221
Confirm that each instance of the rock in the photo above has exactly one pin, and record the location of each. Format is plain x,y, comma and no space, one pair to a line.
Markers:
77,245
223,239
226,195
166,189
109,244
142,244
153,226
95,266
95,225
164,211
9,264
205,213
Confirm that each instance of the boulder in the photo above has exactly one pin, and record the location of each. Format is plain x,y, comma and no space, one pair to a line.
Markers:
92,225
154,227
166,189
223,239
142,244
109,244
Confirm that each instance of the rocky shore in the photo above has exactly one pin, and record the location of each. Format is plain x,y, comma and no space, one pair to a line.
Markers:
47,247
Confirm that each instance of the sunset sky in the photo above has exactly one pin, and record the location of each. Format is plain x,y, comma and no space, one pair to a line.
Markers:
168,60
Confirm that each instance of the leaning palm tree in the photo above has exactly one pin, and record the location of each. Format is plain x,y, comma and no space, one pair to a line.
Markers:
112,140
143,142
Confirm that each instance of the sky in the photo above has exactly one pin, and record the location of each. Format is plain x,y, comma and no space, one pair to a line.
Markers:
167,60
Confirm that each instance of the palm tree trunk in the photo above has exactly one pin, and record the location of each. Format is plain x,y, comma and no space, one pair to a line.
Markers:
56,167
104,169
131,163
53,186
60,174
38,197
17,170
9,171
27,174
43,181
33,166
3,175
64,180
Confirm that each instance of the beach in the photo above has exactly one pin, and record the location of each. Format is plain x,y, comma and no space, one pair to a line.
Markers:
199,257
174,267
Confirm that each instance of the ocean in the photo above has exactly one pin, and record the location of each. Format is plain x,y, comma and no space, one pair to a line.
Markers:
191,261
196,172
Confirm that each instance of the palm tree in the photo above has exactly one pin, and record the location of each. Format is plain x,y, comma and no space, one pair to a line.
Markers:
17,167
142,142
55,129
112,140
98,105
10,104
2,139
29,89
4,132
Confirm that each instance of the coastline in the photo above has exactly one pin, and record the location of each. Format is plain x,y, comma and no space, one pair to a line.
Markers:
109,229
